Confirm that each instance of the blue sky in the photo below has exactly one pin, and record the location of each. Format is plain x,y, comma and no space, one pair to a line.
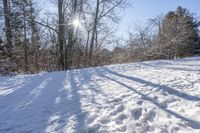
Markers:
142,10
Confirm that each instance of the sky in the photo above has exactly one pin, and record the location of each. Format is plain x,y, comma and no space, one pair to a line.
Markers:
142,10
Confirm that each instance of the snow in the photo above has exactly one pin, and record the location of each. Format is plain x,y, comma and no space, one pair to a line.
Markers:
153,96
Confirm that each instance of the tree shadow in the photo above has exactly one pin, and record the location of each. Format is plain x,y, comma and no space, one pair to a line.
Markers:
20,90
13,84
68,110
192,123
79,114
172,67
46,104
86,79
31,106
164,88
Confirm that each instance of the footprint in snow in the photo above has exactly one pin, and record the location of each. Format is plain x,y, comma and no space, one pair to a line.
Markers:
163,105
120,119
150,116
104,120
94,128
198,104
91,119
139,102
119,109
61,121
136,113
115,101
122,129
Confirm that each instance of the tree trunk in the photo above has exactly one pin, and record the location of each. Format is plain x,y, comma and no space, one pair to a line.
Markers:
61,34
34,37
71,37
7,26
94,30
86,49
25,41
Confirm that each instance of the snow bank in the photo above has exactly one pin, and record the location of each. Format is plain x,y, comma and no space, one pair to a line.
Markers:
156,96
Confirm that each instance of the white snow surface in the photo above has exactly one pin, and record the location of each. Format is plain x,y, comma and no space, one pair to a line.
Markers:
155,96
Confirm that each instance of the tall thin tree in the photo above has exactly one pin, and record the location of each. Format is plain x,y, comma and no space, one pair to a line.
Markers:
6,4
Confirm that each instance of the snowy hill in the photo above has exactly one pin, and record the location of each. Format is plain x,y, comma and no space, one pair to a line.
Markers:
158,96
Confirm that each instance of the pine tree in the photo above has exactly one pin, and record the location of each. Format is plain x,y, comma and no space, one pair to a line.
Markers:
179,33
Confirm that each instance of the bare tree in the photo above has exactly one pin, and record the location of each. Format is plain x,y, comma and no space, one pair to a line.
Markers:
61,34
104,10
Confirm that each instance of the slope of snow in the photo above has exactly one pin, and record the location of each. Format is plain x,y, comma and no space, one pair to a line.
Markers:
158,96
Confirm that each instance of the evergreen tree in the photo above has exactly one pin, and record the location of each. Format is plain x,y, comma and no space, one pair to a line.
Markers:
179,34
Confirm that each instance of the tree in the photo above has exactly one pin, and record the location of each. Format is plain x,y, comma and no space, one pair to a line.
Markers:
61,33
34,34
179,33
67,42
105,10
174,35
7,17
94,29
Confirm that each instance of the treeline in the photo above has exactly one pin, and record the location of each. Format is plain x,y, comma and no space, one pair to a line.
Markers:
72,37
77,35
174,35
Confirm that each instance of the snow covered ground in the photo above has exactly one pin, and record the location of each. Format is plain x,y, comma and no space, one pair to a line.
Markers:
158,96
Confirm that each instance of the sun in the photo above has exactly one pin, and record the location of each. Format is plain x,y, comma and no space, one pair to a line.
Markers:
76,23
